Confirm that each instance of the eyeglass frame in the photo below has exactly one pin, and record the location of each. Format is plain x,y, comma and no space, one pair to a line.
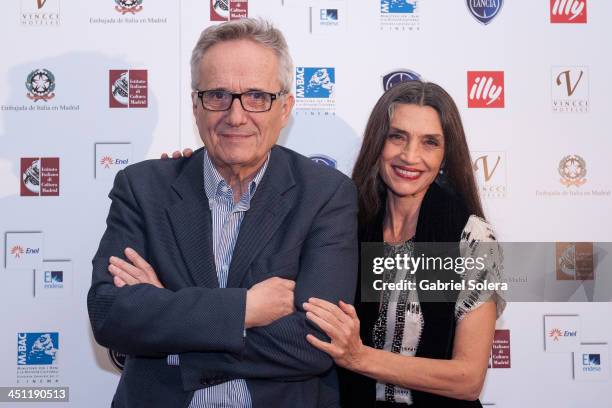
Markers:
273,97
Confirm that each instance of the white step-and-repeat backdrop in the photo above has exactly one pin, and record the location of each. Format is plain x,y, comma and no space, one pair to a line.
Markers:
89,87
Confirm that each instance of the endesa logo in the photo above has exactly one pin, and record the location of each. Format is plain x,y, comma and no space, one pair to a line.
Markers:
485,89
568,11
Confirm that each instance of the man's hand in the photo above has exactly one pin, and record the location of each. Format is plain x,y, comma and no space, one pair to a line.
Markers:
177,154
268,301
138,271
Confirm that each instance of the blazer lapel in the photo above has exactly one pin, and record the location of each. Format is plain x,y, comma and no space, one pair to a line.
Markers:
268,209
192,225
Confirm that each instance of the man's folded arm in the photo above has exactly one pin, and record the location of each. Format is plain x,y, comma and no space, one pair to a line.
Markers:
328,270
145,320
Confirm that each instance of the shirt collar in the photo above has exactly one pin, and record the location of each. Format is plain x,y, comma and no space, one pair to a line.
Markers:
216,187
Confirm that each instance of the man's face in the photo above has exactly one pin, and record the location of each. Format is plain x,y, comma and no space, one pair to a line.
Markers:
236,138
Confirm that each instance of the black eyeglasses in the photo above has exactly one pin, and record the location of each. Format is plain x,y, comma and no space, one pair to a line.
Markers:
251,101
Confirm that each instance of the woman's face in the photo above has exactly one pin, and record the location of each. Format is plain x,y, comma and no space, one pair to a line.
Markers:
413,151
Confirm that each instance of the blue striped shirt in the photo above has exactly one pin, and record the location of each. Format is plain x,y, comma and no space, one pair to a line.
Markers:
226,220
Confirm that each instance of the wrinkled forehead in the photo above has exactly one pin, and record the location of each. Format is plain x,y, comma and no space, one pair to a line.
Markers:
239,65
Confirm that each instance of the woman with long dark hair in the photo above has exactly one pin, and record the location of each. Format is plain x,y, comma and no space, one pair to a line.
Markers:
416,185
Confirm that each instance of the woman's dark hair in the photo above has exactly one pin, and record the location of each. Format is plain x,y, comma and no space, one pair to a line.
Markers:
457,162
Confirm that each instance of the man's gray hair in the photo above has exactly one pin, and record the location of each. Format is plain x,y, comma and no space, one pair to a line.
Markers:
258,30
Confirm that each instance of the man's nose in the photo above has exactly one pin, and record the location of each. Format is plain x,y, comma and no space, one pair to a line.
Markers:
236,115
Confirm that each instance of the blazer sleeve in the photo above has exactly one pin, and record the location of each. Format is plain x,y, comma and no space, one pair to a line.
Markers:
146,320
328,270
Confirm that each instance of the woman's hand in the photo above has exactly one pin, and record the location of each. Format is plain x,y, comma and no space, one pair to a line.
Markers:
138,271
177,154
341,324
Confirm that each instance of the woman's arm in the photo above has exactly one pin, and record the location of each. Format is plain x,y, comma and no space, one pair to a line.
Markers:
461,377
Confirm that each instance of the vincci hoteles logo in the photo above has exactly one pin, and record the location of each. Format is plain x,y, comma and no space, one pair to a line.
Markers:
399,76
484,11
225,10
568,11
490,171
570,89
40,13
40,84
486,89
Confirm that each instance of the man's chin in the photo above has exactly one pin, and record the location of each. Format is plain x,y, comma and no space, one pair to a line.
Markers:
239,160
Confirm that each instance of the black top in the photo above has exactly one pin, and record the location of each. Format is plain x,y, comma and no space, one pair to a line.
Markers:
442,217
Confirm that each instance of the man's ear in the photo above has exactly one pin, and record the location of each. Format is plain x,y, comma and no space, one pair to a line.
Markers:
289,102
194,103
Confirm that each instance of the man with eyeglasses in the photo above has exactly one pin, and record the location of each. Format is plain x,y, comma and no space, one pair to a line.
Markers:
206,261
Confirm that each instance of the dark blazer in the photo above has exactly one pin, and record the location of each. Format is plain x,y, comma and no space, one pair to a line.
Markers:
302,225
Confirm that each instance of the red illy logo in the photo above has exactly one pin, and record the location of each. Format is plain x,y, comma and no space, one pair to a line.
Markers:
568,11
485,89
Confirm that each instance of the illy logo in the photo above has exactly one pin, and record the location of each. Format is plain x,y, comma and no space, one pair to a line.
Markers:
568,11
485,89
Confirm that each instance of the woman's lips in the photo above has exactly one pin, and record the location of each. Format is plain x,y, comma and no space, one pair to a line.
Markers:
407,173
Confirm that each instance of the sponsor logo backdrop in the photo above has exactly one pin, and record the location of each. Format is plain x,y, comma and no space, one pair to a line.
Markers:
91,87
